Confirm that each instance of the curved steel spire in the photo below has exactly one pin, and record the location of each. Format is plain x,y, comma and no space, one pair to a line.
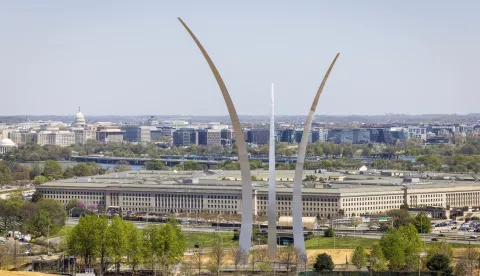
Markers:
298,239
246,229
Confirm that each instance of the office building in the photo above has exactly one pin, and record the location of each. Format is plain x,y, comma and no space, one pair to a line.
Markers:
56,138
185,137
258,136
209,137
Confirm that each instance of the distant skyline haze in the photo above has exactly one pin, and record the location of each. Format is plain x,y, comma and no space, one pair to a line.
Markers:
134,58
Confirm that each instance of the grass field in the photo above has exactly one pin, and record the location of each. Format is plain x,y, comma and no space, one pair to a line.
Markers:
206,239
340,243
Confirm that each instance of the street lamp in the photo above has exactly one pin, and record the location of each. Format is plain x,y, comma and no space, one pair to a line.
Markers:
48,240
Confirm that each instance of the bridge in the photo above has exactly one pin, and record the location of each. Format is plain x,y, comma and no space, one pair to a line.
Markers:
209,160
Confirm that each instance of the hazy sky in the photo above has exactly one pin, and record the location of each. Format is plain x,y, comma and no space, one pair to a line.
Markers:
135,58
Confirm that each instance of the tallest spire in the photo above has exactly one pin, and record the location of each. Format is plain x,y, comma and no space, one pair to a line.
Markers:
272,193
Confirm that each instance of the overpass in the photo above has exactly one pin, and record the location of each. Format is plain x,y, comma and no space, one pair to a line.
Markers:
172,160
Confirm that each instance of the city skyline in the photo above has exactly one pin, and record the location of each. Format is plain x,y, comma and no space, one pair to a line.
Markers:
122,55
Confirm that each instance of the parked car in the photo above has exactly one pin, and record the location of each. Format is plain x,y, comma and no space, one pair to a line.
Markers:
473,237
454,228
441,235
434,239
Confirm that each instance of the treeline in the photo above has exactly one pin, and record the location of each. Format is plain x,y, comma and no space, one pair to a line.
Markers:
15,173
157,246
37,217
34,152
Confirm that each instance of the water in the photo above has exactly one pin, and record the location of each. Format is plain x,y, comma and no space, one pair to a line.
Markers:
66,164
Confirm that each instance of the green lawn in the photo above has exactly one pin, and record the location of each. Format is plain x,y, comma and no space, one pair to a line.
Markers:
63,231
340,243
206,239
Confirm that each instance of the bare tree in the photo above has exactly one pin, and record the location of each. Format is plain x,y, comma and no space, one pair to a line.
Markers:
238,257
198,259
286,257
217,255
187,268
301,260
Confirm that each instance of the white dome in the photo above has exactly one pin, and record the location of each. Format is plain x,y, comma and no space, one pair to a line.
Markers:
79,119
7,143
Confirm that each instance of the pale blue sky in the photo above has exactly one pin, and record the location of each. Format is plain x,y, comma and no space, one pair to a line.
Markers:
134,57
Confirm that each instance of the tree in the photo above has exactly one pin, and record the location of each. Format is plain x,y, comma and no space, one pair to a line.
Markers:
440,248
154,165
198,257
311,178
53,170
376,259
400,217
68,173
217,255
134,245
359,257
39,180
329,232
122,166
5,173
237,255
40,223
37,196
422,223
116,240
85,239
323,263
402,247
440,263
286,257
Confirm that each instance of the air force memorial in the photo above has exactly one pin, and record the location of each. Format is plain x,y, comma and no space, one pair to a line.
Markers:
247,212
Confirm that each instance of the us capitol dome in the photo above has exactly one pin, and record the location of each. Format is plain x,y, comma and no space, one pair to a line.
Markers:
79,119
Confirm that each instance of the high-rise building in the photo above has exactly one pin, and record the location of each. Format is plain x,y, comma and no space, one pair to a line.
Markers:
185,137
299,134
360,136
131,133
258,136
209,137
319,135
340,136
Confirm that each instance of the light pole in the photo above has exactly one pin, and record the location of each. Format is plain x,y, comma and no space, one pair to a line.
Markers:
48,240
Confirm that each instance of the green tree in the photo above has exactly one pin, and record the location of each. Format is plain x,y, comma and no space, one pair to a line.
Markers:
393,249
376,259
440,263
328,232
5,173
39,180
53,170
68,173
85,239
440,248
154,165
311,178
422,223
323,263
134,245
117,241
400,217
359,257
37,196
402,247
40,224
